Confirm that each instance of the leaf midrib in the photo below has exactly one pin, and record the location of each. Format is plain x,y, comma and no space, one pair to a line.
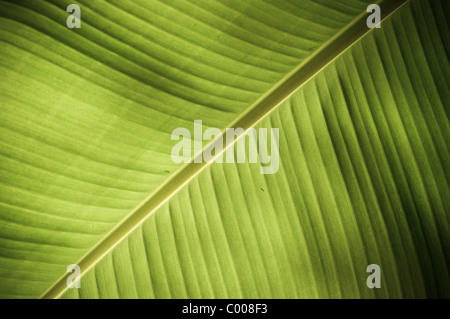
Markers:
259,110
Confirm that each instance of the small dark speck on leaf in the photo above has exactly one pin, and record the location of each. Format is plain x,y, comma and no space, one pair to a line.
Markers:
262,189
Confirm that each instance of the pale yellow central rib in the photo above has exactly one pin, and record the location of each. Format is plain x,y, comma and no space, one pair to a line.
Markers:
328,52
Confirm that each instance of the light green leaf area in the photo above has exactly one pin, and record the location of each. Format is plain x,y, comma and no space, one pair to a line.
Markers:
363,180
86,117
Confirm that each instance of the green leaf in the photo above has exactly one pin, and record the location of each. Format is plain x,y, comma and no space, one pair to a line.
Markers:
87,176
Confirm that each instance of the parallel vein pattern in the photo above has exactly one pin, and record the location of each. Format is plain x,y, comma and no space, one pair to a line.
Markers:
86,114
364,179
